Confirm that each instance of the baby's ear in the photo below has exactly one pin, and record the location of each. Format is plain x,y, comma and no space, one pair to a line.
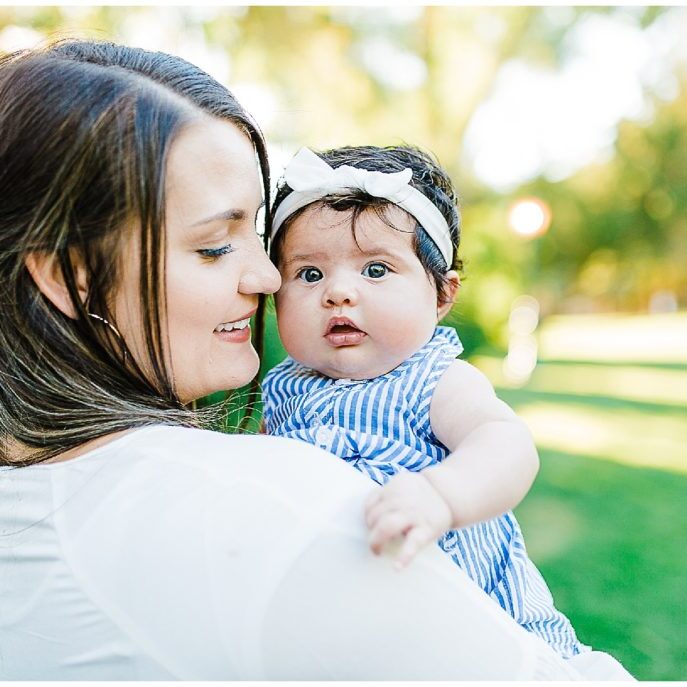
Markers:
448,293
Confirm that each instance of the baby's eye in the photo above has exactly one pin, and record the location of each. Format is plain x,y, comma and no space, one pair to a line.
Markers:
375,270
310,275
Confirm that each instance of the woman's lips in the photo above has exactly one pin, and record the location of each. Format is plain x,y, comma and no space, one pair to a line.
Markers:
237,331
235,335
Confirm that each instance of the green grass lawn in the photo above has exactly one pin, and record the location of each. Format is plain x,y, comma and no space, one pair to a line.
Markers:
610,540
606,521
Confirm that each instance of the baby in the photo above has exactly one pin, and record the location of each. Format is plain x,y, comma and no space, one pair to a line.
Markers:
366,241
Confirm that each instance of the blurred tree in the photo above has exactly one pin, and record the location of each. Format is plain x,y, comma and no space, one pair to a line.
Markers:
330,76
619,235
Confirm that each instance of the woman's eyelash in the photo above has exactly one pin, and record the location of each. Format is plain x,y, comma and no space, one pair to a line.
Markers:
215,252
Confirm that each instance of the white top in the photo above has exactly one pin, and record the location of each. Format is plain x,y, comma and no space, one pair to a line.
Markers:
179,553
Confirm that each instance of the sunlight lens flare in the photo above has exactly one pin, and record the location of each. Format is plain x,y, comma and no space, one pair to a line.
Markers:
521,359
529,217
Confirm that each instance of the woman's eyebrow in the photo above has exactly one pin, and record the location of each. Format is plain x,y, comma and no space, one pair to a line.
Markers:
226,215
232,214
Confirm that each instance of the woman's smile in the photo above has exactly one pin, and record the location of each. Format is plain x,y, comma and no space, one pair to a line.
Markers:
237,331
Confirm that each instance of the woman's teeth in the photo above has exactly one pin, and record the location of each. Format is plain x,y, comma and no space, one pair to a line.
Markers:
229,326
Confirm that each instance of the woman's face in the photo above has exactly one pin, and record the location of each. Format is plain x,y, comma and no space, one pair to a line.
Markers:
215,263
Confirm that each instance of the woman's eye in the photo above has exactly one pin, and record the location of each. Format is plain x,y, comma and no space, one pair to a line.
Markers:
215,252
375,270
310,275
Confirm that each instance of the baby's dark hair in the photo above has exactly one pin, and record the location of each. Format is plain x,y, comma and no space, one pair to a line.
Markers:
428,177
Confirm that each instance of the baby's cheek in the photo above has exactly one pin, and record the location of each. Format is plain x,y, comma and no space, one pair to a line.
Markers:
405,333
291,325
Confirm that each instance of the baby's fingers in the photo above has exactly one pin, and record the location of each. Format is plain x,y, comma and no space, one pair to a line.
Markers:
377,510
416,538
389,526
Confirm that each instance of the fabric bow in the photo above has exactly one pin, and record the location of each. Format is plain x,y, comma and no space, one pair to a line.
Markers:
311,178
308,173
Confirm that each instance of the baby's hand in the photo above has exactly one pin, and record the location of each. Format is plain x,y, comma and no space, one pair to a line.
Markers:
407,505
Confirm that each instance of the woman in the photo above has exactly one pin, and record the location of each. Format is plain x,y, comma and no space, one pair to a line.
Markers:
135,545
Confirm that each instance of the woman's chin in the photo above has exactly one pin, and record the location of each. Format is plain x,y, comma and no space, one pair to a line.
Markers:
231,380
243,376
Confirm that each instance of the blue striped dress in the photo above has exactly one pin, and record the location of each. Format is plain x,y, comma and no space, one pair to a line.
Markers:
381,426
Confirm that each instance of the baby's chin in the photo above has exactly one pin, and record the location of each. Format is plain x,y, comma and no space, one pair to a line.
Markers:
356,371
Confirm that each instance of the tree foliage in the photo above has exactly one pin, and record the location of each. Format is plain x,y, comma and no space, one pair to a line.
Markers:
329,76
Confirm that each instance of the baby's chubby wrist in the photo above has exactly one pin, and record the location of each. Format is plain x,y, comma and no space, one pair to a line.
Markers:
452,489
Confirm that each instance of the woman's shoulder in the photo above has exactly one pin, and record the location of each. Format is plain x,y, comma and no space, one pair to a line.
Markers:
208,449
274,467
170,528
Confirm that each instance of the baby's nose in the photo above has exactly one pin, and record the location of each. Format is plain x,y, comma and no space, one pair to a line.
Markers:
341,292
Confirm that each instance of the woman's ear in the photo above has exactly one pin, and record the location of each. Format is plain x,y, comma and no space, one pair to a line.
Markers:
45,270
448,293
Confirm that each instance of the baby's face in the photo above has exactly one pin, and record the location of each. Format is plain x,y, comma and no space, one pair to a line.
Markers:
352,310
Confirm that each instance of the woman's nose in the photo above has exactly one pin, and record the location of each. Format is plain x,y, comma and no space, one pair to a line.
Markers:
259,274
340,291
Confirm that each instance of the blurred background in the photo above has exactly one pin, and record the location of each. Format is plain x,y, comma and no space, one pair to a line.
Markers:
565,131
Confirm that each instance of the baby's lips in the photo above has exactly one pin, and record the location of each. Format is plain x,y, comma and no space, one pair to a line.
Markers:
352,337
341,322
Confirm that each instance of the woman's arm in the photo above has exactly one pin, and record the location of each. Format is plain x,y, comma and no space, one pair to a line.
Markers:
339,613
206,556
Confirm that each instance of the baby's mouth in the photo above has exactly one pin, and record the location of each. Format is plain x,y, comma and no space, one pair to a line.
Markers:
343,332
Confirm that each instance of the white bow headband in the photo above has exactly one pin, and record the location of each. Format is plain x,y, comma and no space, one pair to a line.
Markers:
311,178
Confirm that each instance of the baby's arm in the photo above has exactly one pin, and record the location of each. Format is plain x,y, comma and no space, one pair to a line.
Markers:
493,459
492,464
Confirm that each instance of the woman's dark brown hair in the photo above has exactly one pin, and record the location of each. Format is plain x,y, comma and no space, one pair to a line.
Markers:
85,131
